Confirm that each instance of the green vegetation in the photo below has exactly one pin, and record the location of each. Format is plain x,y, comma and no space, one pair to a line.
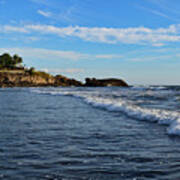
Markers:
13,63
31,71
10,62
42,74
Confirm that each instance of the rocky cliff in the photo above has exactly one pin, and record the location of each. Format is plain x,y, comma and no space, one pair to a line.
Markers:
64,81
14,74
26,79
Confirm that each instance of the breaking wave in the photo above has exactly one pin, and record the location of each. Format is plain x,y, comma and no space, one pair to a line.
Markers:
126,106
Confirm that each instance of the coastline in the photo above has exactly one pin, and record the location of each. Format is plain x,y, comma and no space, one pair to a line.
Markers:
32,78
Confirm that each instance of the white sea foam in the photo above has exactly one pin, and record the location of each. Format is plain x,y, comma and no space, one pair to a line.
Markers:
141,88
161,116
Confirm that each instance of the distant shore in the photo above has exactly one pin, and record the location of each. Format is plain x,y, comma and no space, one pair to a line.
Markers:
14,74
31,78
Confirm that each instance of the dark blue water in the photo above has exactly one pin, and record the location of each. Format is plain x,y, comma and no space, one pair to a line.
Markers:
90,133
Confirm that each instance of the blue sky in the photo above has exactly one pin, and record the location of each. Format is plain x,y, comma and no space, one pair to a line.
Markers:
136,40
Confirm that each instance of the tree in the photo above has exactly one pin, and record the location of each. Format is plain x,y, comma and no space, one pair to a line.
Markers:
17,59
7,61
31,70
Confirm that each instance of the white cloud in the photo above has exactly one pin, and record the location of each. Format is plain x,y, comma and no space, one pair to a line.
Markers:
108,56
136,35
158,44
11,29
69,70
32,38
47,54
157,12
152,58
44,13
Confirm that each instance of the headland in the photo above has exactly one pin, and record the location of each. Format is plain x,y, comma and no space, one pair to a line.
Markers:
14,74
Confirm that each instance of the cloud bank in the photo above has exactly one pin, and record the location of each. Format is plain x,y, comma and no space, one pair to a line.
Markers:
48,54
136,35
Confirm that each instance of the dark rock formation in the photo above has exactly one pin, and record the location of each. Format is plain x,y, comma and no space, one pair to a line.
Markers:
104,82
64,81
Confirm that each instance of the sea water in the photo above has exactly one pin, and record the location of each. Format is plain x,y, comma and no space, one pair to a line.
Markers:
90,133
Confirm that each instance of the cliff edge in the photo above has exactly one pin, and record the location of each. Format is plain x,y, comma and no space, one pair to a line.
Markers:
35,79
14,74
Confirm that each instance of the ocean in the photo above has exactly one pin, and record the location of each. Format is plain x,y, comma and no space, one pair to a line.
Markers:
79,133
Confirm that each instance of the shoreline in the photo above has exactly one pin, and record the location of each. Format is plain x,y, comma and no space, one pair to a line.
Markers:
29,78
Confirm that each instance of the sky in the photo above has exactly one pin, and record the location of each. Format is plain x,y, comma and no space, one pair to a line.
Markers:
134,40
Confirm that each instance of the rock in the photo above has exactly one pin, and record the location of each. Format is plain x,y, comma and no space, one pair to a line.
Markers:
38,79
104,82
23,80
26,78
64,81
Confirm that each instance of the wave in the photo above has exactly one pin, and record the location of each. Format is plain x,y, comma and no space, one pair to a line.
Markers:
153,88
161,116
156,88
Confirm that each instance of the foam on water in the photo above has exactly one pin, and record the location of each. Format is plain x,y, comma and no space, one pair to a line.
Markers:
154,115
127,107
